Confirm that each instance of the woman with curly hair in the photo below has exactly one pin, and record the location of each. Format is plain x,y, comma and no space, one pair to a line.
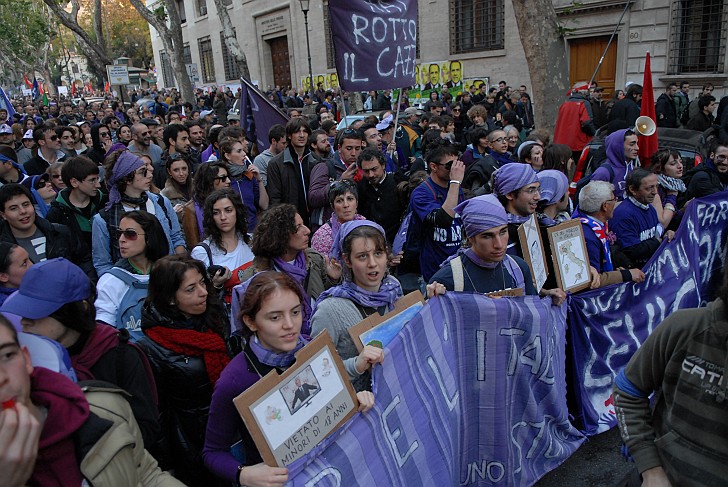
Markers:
208,178
226,246
280,243
185,328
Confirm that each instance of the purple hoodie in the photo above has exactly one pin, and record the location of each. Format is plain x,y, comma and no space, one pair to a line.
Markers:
615,157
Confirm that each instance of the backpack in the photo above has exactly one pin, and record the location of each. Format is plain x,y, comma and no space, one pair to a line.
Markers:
585,180
685,116
129,311
408,235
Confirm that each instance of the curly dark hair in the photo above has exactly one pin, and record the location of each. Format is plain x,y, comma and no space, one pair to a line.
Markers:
204,181
275,225
241,216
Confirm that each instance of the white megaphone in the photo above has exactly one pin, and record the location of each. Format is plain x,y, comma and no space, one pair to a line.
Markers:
645,126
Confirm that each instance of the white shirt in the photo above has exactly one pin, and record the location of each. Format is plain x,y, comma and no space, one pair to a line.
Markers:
232,260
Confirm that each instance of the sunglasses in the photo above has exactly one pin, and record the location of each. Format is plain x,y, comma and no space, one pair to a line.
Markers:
104,134
455,109
447,165
53,138
128,234
222,179
143,172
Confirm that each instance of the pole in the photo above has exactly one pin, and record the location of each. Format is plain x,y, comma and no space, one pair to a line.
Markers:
308,49
396,119
343,109
614,33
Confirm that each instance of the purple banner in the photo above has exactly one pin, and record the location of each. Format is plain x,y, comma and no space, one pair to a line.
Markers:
258,115
472,391
608,325
374,43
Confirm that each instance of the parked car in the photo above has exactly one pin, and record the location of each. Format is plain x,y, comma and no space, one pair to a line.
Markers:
692,145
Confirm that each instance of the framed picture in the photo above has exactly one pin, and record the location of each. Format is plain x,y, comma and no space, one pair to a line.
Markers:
532,246
571,260
287,415
380,330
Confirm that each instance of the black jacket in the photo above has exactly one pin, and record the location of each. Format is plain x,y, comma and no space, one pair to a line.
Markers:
477,176
666,112
627,110
60,242
185,393
64,213
37,165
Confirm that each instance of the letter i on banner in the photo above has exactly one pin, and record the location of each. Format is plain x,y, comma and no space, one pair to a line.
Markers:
374,43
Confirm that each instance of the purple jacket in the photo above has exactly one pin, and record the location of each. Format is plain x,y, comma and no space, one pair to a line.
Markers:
615,157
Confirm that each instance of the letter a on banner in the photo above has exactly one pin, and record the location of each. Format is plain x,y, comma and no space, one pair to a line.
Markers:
375,43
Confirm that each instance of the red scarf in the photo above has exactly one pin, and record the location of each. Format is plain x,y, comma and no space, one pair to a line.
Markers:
194,343
68,410
101,339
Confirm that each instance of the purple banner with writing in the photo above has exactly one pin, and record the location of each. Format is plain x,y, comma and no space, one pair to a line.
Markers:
258,115
472,392
374,43
608,325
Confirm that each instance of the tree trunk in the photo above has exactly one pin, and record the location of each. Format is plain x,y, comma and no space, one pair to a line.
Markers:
231,41
546,57
95,52
173,43
98,29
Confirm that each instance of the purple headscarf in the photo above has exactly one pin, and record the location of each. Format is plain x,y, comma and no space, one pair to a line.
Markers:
481,213
512,177
553,185
115,147
389,290
126,164
346,229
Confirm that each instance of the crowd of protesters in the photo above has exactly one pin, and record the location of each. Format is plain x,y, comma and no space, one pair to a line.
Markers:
172,259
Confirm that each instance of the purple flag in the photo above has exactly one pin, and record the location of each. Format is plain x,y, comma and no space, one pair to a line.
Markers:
472,392
374,42
5,103
607,326
258,115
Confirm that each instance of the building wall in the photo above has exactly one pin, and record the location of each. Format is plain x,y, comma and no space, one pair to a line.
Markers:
646,26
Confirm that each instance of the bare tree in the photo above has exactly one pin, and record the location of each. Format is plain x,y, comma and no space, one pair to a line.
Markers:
546,57
93,49
171,36
230,40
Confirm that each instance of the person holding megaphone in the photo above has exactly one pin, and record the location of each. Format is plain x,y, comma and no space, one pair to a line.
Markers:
622,157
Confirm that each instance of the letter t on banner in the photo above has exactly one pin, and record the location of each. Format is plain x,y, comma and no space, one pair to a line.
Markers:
375,43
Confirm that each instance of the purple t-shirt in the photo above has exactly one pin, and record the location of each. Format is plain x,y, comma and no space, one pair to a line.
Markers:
437,243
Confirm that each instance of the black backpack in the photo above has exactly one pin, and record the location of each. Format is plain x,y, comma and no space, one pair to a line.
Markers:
585,180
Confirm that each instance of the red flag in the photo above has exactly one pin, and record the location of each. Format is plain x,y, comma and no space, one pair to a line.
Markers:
73,89
28,83
648,144
107,87
40,89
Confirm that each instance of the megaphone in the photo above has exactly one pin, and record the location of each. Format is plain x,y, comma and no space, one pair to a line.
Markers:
645,126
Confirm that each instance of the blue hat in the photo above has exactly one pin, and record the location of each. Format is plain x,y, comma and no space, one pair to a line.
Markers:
46,287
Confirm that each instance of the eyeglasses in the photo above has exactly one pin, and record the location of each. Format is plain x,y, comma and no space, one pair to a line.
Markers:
92,181
531,190
721,158
222,178
611,200
499,140
143,172
128,234
53,138
513,137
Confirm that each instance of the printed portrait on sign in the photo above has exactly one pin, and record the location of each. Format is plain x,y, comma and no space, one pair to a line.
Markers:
299,391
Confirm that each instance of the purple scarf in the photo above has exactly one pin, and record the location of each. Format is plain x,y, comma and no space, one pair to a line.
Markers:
279,360
389,292
517,220
126,164
297,270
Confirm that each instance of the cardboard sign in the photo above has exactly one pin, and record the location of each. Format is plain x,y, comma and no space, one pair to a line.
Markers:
287,415
571,260
378,330
532,246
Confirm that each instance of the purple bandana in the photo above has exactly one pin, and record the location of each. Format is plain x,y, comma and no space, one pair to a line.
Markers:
481,213
553,185
512,177
346,229
389,292
126,164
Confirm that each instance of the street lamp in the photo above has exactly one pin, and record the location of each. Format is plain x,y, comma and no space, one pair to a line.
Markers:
305,4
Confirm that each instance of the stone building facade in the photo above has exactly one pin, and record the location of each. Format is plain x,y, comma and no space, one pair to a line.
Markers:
686,39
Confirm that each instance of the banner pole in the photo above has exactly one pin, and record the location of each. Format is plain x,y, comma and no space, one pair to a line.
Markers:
343,109
396,120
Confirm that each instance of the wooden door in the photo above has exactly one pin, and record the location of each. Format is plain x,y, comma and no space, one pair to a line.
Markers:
281,62
584,57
